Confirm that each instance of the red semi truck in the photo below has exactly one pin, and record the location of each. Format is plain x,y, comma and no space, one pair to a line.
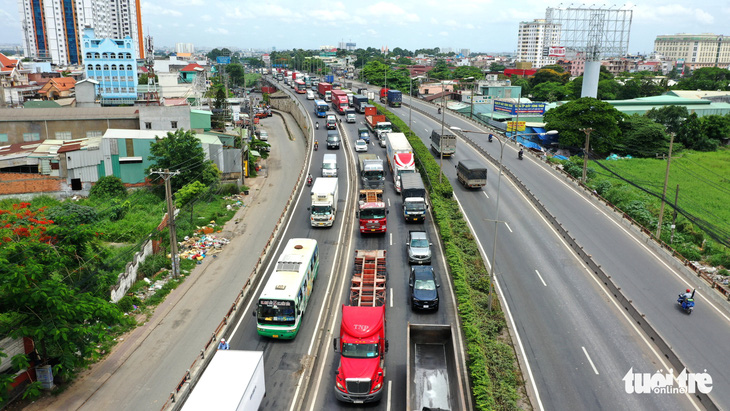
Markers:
372,213
324,90
340,102
362,344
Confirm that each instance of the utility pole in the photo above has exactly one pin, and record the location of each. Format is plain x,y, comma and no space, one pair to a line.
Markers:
588,132
674,217
664,191
167,175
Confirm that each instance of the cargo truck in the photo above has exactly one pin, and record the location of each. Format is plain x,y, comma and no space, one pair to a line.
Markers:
378,125
372,214
443,145
394,98
358,102
400,157
471,174
340,103
323,209
383,95
363,134
324,90
233,380
360,374
329,78
432,375
414,197
372,171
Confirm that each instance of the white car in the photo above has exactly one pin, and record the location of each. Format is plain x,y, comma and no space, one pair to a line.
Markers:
361,145
263,135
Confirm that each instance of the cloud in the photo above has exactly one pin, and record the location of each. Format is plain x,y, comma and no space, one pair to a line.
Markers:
385,11
216,30
206,17
682,14
444,33
153,9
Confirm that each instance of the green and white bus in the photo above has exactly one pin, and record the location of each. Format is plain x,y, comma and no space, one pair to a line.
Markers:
286,295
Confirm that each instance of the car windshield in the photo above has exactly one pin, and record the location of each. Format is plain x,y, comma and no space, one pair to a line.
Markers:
428,285
321,210
411,206
362,143
351,350
419,243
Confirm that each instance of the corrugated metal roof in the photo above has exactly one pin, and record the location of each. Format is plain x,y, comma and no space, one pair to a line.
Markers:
136,134
208,139
68,113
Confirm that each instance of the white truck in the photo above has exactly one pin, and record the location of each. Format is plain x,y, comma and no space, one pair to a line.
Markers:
372,172
400,157
233,380
323,209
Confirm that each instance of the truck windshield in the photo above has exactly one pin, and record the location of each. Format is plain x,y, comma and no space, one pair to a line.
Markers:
276,315
329,166
350,350
373,174
476,174
415,206
372,213
321,209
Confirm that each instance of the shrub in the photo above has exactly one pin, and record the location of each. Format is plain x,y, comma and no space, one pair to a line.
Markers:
106,187
127,302
152,264
118,209
637,210
603,186
230,189
188,193
72,214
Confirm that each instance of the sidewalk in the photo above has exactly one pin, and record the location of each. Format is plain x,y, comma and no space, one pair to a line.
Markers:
147,363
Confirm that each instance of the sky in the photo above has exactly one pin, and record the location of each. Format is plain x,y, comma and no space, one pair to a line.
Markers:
478,25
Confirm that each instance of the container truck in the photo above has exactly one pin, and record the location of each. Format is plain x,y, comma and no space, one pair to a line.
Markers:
372,171
233,380
394,98
432,375
359,101
443,145
400,157
372,213
323,209
378,125
414,197
340,103
360,374
324,89
329,78
384,95
471,174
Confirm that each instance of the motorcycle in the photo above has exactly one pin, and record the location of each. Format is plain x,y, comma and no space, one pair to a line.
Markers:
316,125
687,304
316,146
439,110
519,154
490,138
309,181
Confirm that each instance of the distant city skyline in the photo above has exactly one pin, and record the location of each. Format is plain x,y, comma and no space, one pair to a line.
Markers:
477,25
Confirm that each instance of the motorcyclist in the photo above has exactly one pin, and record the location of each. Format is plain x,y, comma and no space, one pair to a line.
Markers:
439,110
490,138
316,125
316,144
520,153
686,296
223,345
309,179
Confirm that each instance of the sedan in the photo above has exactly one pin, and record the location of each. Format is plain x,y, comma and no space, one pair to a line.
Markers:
361,145
424,288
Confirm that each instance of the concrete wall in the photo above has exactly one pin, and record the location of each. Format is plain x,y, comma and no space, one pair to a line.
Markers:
282,102
47,128
161,117
126,279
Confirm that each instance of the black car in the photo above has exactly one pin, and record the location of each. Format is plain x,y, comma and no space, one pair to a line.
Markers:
424,288
333,139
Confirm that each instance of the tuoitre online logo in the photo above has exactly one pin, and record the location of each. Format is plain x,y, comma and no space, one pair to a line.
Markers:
658,383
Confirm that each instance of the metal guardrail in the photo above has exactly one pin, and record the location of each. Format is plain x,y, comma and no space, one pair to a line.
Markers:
622,300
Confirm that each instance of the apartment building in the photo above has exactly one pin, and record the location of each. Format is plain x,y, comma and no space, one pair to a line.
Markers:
111,63
695,50
533,39
53,29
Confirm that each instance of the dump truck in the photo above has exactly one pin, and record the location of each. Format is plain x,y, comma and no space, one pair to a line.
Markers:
414,197
233,380
372,171
360,374
372,213
432,375
400,157
323,209
444,145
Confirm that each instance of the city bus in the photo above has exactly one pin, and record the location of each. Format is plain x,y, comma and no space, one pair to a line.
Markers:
320,108
285,296
300,87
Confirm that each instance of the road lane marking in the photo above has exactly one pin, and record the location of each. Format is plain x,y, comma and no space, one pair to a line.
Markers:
589,360
390,383
543,281
391,297
388,202
426,130
507,225
391,238
485,194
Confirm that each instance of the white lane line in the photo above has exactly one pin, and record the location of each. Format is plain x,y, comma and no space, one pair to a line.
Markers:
391,238
426,130
388,202
543,281
589,360
507,310
485,194
390,383
507,225
391,297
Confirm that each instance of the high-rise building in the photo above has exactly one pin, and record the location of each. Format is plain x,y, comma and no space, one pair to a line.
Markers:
184,48
695,50
111,63
533,40
53,29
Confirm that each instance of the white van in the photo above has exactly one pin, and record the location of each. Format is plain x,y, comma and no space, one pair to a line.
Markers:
310,95
329,165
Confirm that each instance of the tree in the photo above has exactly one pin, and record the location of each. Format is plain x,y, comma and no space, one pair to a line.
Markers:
630,89
440,71
181,151
545,75
715,126
586,112
549,91
144,79
402,52
468,71
643,137
671,117
608,89
707,78
404,60
108,187
496,67
213,54
692,135
219,114
524,84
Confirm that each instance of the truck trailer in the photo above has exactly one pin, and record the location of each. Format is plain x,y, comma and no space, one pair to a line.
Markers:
360,374
400,157
444,145
394,98
432,375
323,209
414,197
359,101
233,380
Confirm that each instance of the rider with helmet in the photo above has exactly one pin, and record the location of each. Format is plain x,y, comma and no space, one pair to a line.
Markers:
687,295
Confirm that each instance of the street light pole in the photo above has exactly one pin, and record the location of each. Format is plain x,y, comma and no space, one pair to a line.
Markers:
441,140
410,100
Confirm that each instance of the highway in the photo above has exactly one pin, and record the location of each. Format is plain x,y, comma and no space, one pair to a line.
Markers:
697,341
285,361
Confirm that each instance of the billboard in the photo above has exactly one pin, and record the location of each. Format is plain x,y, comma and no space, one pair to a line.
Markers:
555,51
223,59
524,108
518,125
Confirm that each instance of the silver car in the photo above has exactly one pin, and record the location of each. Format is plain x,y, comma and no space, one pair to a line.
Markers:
418,247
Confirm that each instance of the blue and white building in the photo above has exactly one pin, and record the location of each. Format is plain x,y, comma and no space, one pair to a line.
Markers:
112,63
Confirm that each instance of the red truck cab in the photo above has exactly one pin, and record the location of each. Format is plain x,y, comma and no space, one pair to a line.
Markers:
362,344
372,212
